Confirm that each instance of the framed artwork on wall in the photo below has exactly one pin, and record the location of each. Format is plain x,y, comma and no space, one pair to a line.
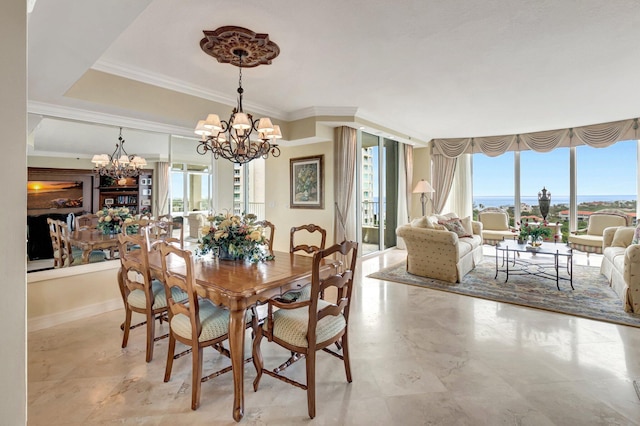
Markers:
146,192
108,201
306,189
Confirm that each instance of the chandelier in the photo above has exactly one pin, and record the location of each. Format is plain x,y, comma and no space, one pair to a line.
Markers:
119,164
241,138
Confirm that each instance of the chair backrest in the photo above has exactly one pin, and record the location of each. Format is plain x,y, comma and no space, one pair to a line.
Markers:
157,231
134,261
265,224
56,242
134,227
175,258
494,219
310,229
342,282
86,221
602,219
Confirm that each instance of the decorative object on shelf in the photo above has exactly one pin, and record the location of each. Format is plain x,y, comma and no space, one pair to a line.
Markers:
111,220
422,188
544,200
534,232
232,139
235,238
306,190
119,164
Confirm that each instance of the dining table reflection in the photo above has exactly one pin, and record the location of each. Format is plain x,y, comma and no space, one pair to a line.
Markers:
92,239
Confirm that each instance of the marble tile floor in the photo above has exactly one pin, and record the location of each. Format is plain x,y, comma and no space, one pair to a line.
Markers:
419,357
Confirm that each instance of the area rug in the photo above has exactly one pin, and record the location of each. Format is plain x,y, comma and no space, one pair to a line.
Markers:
592,297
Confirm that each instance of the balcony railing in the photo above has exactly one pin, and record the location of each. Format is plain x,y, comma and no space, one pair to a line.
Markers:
257,209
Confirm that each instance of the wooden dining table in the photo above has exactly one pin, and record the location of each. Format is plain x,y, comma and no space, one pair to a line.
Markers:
92,239
237,285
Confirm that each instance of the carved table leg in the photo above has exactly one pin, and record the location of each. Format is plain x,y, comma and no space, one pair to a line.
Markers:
236,346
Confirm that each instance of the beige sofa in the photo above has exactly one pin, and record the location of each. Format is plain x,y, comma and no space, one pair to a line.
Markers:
621,265
435,252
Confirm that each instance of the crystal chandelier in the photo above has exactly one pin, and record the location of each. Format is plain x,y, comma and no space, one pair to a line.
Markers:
119,164
241,138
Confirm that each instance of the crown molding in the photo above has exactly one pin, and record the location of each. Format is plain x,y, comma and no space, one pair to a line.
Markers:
71,113
316,111
155,79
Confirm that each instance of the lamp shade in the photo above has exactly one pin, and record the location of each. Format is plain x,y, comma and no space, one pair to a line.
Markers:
423,186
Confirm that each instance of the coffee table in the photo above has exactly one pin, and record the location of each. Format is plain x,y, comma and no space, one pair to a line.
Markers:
515,264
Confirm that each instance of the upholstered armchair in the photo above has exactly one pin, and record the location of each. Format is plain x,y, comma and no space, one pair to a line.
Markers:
621,264
495,225
590,239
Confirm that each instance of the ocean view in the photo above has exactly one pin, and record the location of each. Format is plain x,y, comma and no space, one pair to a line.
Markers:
499,200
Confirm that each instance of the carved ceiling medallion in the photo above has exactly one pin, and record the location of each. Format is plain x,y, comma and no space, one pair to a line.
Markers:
229,44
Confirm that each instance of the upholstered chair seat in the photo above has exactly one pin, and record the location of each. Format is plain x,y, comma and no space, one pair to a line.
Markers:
291,326
213,319
495,225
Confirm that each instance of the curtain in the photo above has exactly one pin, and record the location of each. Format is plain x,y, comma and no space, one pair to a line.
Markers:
345,146
162,183
443,172
597,136
404,189
408,176
460,200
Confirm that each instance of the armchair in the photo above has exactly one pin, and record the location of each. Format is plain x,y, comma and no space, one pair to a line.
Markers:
495,225
590,239
621,265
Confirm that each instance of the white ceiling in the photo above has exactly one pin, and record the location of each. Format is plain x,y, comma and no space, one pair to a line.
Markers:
424,68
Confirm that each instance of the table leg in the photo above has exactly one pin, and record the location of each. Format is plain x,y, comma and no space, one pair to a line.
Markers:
85,256
236,345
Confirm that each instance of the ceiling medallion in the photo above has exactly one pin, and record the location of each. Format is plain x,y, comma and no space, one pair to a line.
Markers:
224,42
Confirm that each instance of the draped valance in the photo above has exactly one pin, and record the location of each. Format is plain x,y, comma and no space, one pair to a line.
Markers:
597,136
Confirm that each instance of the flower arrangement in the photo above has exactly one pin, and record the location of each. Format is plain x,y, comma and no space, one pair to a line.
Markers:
537,231
111,220
235,238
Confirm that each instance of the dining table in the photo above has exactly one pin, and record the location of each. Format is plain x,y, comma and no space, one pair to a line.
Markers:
237,285
89,239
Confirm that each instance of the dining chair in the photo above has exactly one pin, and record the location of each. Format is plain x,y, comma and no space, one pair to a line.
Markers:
164,230
314,234
73,255
140,292
265,224
86,221
54,234
307,326
195,322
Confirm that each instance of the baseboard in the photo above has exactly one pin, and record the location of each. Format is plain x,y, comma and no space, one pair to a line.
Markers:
46,321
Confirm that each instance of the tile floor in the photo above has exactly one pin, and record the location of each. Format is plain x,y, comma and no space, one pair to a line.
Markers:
419,357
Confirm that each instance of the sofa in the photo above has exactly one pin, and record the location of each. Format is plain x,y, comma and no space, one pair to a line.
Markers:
442,247
621,264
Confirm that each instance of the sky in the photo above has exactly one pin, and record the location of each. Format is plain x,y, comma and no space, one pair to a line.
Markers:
601,171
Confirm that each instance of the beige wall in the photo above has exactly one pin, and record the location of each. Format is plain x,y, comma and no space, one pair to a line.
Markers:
66,294
277,183
13,221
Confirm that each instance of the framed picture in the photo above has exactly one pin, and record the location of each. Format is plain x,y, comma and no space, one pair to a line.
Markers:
146,192
143,181
146,202
108,201
307,182
149,181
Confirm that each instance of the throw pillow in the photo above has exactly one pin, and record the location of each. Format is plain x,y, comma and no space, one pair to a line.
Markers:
455,225
420,222
636,236
466,222
623,236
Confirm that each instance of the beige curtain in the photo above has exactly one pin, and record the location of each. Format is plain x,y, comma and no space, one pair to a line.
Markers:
442,179
408,176
162,184
345,147
405,172
460,198
597,136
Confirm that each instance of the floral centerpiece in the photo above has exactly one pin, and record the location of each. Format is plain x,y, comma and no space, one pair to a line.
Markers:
535,231
235,238
111,220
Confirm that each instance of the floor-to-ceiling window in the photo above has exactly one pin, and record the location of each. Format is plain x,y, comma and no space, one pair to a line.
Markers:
190,189
493,182
249,188
378,192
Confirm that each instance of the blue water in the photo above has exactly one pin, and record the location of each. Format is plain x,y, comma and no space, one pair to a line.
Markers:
499,201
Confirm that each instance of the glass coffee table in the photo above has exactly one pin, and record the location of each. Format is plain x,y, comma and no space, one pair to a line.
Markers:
553,261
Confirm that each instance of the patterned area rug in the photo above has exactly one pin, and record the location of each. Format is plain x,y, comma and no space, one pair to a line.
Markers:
592,297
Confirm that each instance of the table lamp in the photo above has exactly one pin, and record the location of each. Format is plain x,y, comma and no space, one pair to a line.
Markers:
422,188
